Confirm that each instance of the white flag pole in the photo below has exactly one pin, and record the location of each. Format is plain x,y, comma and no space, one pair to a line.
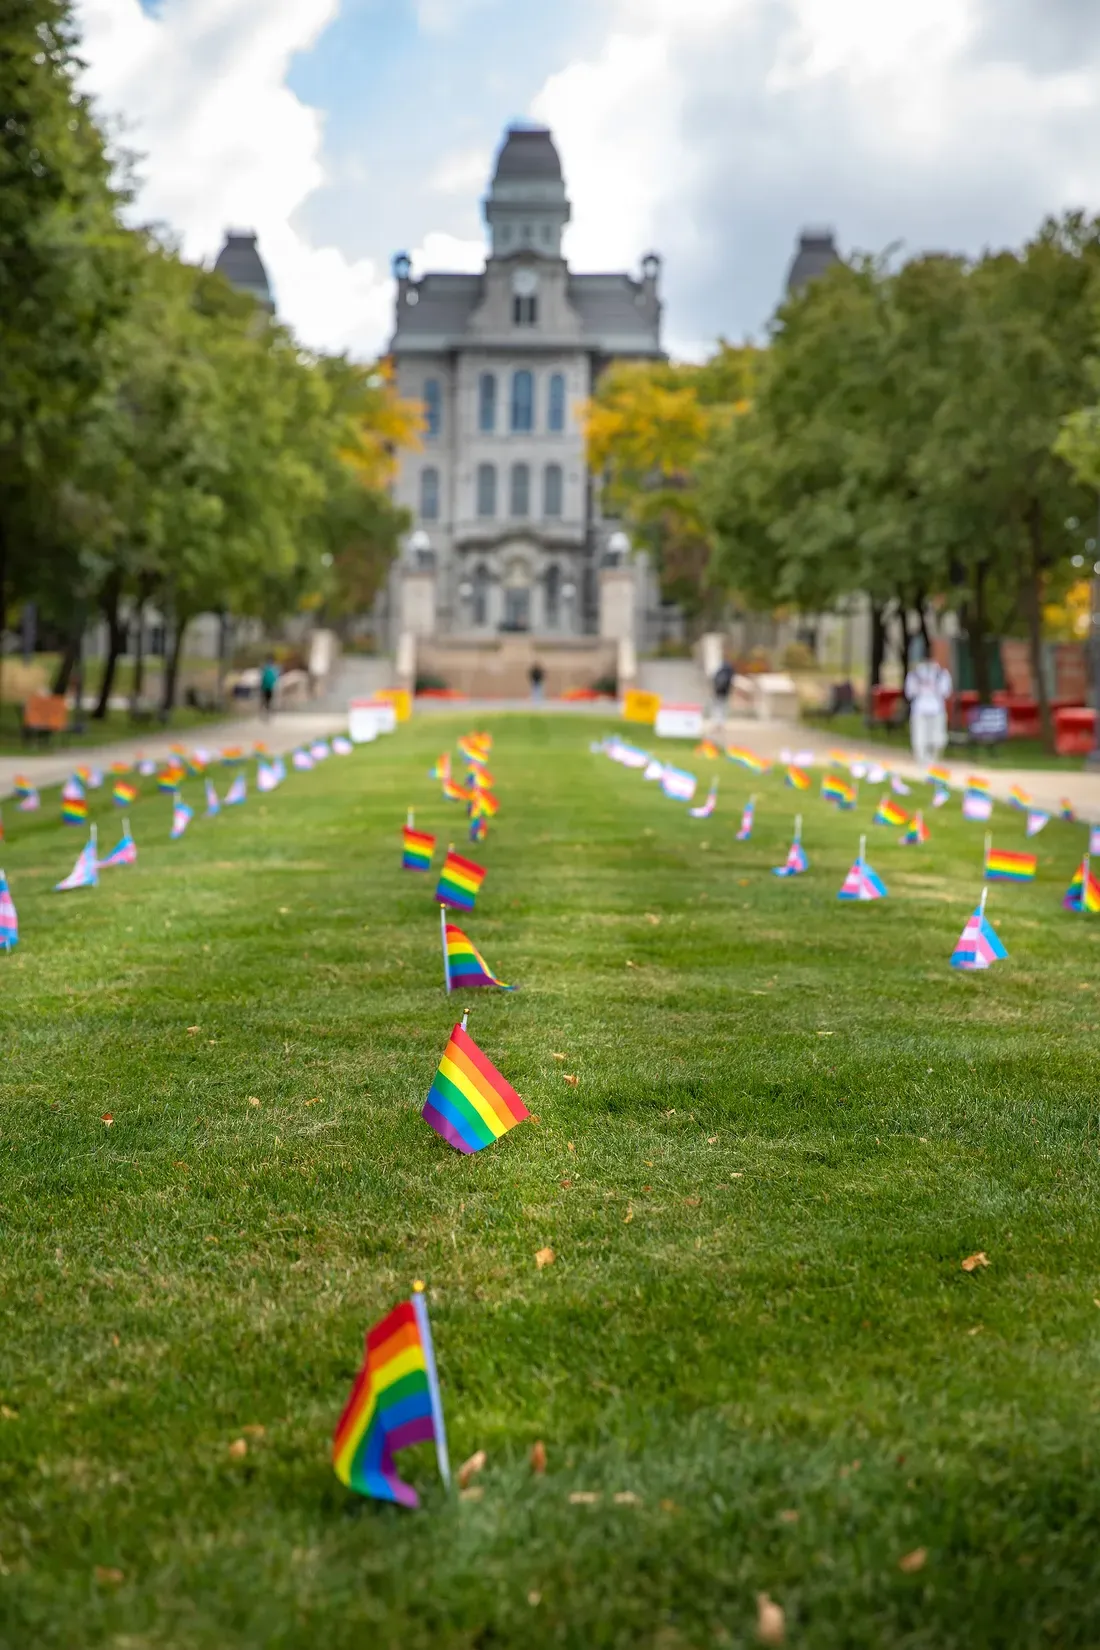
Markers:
410,820
988,848
1085,885
862,848
798,827
443,938
420,1308
981,902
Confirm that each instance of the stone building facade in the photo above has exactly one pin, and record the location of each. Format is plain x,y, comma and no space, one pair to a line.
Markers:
508,534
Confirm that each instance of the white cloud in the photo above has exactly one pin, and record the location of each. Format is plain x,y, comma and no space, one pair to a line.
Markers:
463,172
201,89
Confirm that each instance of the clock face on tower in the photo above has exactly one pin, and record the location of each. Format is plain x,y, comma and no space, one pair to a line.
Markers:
525,283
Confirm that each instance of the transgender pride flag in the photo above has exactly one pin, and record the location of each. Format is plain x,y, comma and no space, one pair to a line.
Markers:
678,784
745,832
84,873
9,922
862,883
124,852
978,945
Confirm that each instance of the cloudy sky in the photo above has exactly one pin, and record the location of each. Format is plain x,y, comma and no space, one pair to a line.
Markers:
712,130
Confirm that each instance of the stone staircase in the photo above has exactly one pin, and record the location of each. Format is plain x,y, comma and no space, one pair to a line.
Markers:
353,677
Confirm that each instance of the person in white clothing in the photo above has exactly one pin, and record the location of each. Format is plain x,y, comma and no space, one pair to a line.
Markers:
927,688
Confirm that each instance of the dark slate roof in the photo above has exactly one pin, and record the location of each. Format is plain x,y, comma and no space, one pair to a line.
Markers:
816,253
443,307
240,263
528,153
614,307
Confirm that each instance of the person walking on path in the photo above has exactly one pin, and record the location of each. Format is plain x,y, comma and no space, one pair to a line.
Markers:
269,679
536,674
721,684
927,688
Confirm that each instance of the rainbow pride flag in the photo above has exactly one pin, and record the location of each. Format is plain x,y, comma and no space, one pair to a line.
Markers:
1065,810
940,776
394,1403
889,813
705,809
418,848
1019,797
454,792
124,792
232,756
9,922
470,1104
459,882
707,748
481,779
747,759
170,778
797,779
1083,893
917,832
22,786
84,873
475,746
123,853
1003,866
441,769
74,810
118,768
835,789
464,964
979,946
479,827
483,802
745,831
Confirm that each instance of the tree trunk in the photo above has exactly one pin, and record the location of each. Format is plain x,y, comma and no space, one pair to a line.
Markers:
116,641
171,669
878,647
67,662
139,658
3,605
976,635
1033,608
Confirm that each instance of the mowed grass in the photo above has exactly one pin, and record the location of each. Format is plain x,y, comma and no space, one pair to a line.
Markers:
792,1122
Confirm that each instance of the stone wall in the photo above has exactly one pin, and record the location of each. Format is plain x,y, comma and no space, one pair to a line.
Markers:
498,667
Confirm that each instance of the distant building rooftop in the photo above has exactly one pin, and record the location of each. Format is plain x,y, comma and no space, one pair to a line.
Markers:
240,262
816,253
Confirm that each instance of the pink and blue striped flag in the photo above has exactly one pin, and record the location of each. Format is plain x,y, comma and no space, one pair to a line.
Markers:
706,808
124,852
745,832
9,922
237,792
84,873
182,816
979,946
213,806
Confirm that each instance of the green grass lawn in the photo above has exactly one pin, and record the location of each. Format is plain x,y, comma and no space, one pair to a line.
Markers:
792,1123
1014,753
116,725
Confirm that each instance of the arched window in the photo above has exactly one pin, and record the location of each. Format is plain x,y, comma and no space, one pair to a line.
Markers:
487,403
486,490
433,406
523,401
429,494
521,490
481,595
553,595
556,411
551,492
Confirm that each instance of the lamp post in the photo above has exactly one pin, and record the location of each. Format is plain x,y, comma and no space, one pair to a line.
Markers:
419,546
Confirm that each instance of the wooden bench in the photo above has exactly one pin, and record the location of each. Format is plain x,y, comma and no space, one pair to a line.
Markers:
44,714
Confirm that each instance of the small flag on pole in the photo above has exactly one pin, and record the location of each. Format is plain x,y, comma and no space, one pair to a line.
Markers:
213,806
1003,866
341,746
979,946
302,761
797,779
939,776
707,748
319,750
796,861
1035,822
454,792
84,873
678,784
1094,839
124,852
747,759
835,789
182,816
463,964
124,793
1019,798
459,882
479,827
394,1403
888,812
29,801
977,805
267,777
1066,810
470,1104
939,796
237,792
170,778
862,883
9,922
898,785
705,809
1083,893
917,832
749,810
441,768
418,848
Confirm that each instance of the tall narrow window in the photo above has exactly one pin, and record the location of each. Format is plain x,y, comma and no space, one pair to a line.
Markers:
429,494
553,596
523,401
433,406
521,490
486,490
487,403
556,409
525,311
481,595
551,492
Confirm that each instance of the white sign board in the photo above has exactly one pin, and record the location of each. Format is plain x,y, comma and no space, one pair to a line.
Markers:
367,718
679,722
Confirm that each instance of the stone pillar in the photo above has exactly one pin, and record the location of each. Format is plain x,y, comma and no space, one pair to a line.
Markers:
417,601
618,604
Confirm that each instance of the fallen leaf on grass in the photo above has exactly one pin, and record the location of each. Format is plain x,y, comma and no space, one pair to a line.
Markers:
474,1493
914,1561
737,1174
255,1430
108,1118
693,1202
544,1257
191,1030
7,1414
631,964
253,1100
972,1262
771,1623
107,1576
712,1140
627,1498
649,917
470,1469
538,1457
557,1056
572,1081
238,1449
629,1216
584,1498
569,1146
316,1101
565,1185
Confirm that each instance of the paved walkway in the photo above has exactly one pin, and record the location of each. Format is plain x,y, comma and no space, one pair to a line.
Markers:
281,734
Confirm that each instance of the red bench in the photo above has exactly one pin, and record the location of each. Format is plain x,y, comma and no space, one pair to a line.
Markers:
1074,731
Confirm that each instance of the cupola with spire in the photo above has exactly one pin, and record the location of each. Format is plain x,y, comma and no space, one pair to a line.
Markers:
526,207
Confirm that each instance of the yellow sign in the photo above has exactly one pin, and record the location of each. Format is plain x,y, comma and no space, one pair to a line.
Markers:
400,699
641,707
